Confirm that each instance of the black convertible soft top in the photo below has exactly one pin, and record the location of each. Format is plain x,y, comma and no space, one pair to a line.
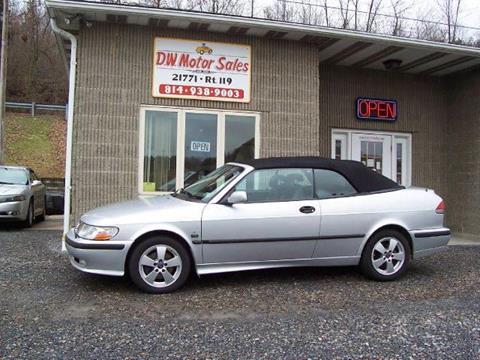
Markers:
361,177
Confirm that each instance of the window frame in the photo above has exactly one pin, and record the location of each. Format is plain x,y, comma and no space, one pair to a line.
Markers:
32,176
231,190
180,154
333,197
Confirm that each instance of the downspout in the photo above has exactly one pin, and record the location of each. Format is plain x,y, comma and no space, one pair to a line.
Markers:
71,100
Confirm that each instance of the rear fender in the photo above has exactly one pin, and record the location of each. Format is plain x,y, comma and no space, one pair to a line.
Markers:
382,224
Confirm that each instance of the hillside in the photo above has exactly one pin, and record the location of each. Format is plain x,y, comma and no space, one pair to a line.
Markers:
37,142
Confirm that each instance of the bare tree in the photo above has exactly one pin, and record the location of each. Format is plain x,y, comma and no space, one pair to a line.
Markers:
399,8
155,3
280,10
325,10
35,72
344,6
171,4
425,29
309,14
356,9
451,10
373,8
232,7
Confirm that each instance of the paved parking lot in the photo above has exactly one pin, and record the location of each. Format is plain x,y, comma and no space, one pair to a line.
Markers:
49,310
51,222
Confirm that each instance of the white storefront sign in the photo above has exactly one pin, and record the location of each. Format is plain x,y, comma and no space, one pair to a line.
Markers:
191,69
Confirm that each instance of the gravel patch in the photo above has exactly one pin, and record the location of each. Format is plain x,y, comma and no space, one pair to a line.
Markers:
50,310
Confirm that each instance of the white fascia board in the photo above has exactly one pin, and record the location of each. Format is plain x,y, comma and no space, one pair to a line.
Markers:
74,7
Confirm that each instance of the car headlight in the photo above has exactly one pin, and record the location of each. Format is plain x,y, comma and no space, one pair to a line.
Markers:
90,232
11,198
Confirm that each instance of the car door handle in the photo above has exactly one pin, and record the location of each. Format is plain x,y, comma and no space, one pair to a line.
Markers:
307,209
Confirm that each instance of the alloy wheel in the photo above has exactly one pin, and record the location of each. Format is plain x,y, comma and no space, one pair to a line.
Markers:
388,256
160,266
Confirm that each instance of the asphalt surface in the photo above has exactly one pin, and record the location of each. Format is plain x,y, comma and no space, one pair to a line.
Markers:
50,310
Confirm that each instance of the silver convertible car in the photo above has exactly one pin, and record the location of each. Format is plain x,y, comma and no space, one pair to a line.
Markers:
264,213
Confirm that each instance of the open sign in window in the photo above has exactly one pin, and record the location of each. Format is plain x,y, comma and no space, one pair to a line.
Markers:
200,146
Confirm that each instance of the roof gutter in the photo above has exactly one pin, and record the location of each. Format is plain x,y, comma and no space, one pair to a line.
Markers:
76,6
71,102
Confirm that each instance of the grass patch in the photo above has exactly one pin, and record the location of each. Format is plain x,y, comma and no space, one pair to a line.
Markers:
37,142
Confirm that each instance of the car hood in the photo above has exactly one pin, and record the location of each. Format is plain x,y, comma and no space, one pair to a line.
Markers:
11,189
144,210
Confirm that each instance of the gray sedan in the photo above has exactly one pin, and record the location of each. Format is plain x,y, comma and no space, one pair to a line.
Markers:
265,213
22,195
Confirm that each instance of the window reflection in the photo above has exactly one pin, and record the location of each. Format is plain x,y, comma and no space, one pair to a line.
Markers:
399,163
160,149
372,155
239,138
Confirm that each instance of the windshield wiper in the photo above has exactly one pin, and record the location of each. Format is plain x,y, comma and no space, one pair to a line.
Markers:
7,183
188,194
184,192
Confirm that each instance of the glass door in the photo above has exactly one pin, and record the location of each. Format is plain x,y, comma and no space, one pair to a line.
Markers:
200,146
374,151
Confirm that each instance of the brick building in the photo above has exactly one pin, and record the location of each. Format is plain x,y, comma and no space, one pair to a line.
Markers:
164,96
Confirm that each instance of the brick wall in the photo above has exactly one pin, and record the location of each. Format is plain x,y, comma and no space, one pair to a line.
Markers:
421,112
463,202
114,78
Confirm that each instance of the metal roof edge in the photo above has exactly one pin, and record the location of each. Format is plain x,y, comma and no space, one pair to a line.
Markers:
73,5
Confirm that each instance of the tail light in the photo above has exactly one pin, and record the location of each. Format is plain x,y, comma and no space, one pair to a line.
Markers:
440,208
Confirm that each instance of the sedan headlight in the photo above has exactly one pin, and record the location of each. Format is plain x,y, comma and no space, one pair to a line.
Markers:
90,232
11,198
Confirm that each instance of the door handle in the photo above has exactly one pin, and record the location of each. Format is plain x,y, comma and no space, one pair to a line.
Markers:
307,209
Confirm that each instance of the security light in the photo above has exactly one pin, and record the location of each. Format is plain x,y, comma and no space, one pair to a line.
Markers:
70,19
392,64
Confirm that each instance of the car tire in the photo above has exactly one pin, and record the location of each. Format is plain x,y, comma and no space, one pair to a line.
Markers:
28,222
159,265
41,217
386,256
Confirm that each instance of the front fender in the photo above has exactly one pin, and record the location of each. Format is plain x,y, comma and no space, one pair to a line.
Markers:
185,232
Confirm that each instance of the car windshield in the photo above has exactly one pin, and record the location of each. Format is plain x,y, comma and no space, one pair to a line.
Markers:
11,176
207,187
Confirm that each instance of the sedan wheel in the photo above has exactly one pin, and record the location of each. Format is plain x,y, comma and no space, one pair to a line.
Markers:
28,222
41,217
159,265
386,255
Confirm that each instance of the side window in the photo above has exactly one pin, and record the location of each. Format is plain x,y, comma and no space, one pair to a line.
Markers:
277,185
330,184
32,176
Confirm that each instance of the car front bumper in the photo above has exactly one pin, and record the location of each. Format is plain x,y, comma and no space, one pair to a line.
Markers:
13,211
97,257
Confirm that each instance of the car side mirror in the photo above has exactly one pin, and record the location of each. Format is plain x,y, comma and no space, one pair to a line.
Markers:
36,182
237,197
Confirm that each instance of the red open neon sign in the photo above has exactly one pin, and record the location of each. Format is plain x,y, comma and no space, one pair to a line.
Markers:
376,109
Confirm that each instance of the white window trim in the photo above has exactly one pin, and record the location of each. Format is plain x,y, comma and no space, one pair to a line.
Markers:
343,138
180,164
407,154
405,138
